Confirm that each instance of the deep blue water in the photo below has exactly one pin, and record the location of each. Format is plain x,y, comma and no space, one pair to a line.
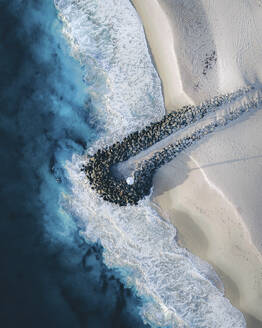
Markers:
49,276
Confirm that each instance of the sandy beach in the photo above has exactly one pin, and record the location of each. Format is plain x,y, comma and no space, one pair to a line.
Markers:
162,48
212,193
209,226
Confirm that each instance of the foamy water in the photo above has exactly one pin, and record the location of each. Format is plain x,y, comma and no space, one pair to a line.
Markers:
107,37
178,289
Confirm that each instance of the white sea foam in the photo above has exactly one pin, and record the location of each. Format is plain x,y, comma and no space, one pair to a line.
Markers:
108,38
178,289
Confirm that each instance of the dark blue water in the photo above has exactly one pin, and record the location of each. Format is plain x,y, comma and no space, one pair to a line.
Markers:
49,276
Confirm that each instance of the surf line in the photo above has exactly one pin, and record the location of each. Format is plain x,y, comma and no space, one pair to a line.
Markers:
121,191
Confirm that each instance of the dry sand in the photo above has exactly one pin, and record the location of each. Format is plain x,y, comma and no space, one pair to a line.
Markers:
213,194
161,40
183,35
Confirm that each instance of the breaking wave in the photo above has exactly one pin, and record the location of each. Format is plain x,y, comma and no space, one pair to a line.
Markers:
108,39
177,288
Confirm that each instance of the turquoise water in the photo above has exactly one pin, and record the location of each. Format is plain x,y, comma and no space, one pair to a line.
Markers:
50,276
69,259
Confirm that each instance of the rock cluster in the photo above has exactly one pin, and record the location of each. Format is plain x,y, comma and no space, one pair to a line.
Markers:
117,190
209,62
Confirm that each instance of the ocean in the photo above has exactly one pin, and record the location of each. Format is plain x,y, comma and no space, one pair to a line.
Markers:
50,275
75,76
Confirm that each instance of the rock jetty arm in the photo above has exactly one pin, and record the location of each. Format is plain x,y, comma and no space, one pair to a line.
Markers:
116,189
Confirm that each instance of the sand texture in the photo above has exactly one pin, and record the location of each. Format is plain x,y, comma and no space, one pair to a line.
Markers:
213,193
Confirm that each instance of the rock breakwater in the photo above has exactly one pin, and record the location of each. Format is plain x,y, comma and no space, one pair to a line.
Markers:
116,189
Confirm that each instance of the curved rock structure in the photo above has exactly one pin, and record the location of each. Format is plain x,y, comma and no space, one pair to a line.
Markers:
116,189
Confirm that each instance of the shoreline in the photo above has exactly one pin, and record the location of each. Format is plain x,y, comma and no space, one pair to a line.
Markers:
225,244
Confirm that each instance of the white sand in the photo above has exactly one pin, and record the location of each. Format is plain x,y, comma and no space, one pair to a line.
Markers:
181,34
161,40
217,209
210,227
